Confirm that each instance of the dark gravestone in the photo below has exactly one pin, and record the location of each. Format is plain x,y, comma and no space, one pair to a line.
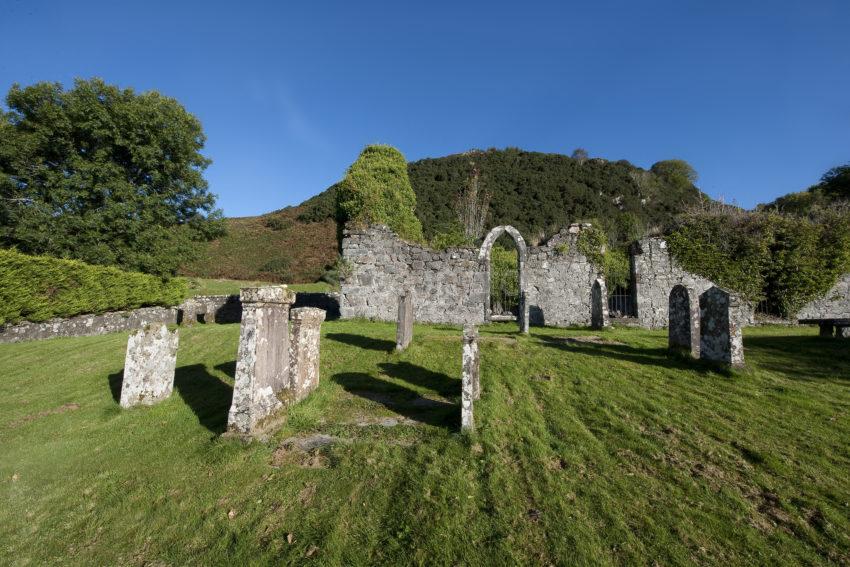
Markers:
683,316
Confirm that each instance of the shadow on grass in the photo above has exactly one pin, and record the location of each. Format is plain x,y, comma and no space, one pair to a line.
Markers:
650,356
418,376
207,395
803,357
362,341
400,399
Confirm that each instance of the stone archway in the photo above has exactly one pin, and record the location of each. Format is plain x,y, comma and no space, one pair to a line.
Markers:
522,253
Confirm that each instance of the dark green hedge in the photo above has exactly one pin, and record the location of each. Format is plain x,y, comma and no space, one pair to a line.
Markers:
37,288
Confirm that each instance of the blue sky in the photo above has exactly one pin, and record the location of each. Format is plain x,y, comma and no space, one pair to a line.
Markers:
755,95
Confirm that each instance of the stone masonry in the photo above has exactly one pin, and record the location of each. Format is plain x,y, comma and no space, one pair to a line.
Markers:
262,365
149,366
721,339
599,305
470,378
683,315
304,352
654,273
834,305
451,286
404,326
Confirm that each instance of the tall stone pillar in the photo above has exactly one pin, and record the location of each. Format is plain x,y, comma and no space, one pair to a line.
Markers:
599,304
523,312
149,366
404,326
721,338
471,378
683,320
262,365
304,352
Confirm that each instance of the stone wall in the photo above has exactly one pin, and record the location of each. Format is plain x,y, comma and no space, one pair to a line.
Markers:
202,308
87,325
451,286
834,305
654,274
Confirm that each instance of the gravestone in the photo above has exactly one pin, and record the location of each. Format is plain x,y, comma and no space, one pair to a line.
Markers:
149,366
304,352
470,379
842,331
404,326
683,320
262,365
721,339
598,304
827,329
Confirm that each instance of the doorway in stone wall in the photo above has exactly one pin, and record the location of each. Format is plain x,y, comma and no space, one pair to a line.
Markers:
504,288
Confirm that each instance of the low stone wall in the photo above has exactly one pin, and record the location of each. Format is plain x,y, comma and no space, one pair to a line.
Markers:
834,305
203,309
451,286
87,325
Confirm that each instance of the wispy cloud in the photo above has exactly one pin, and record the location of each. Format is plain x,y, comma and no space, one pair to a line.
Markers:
296,122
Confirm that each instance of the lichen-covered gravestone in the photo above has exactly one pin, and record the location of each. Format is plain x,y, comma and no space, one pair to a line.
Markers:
149,366
471,377
721,339
599,304
304,352
262,365
404,326
683,320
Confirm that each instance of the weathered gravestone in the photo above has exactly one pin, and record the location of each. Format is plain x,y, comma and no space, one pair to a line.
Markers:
149,366
683,320
599,304
262,365
304,352
842,331
404,326
721,339
470,378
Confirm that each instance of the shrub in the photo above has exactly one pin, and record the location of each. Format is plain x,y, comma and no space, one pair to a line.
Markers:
278,268
785,260
277,222
37,288
377,190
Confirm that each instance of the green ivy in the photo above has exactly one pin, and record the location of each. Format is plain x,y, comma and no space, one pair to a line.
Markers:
37,288
377,190
783,259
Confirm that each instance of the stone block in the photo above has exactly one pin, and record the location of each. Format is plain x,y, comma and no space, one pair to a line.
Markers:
404,325
471,377
149,366
842,332
721,337
683,316
262,365
304,352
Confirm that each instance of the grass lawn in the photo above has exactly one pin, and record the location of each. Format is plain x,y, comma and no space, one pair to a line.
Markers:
209,286
585,453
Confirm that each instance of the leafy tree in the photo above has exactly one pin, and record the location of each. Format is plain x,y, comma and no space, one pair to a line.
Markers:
377,190
833,189
677,172
103,175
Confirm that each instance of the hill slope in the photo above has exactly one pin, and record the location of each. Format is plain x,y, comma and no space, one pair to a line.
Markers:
537,193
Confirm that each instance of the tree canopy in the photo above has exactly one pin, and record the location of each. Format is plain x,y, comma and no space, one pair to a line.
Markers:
377,190
104,175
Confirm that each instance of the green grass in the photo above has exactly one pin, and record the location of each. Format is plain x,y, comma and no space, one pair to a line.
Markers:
584,454
208,286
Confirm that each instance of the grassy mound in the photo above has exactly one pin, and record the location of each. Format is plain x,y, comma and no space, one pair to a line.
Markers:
587,452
